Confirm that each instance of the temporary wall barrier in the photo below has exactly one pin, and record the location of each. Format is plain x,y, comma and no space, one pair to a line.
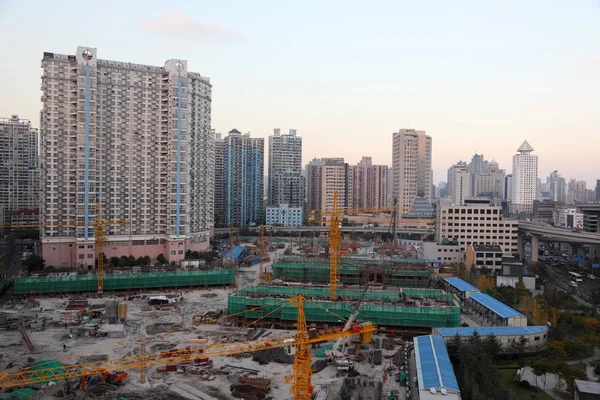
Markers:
89,283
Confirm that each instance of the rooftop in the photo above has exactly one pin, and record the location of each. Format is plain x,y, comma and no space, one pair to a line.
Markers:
434,369
491,330
587,386
494,248
495,306
460,284
525,148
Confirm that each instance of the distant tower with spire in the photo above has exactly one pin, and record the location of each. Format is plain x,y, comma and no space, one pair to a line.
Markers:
525,182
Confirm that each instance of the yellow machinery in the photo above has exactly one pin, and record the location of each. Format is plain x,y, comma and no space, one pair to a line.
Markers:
99,236
335,244
302,386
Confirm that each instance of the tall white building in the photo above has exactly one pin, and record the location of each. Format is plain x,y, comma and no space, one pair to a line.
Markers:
19,162
369,185
459,179
285,169
411,164
324,177
524,179
136,140
557,189
490,183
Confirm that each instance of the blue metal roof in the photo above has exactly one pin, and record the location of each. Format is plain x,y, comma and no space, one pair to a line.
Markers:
460,284
495,306
235,252
491,330
434,369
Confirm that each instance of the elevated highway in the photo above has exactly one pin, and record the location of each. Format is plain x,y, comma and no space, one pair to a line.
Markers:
558,234
345,229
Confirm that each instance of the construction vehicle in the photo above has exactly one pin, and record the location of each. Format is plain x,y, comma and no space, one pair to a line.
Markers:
99,236
342,362
113,377
300,343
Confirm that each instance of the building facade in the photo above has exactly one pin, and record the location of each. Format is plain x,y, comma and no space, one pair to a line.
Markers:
324,177
411,164
285,169
459,179
239,170
284,215
524,179
369,185
557,189
568,217
490,183
133,139
19,169
476,223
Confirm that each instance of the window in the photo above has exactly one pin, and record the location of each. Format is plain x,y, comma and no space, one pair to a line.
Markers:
81,246
173,252
90,256
536,338
81,256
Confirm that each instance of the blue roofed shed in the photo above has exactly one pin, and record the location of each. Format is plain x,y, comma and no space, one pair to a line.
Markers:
435,376
459,287
535,336
236,254
494,311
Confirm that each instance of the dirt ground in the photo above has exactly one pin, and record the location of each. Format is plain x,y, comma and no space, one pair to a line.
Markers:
44,319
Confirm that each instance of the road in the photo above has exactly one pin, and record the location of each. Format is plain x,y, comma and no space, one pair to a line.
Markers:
558,275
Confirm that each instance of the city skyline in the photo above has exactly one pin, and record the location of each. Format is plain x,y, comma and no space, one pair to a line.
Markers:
485,84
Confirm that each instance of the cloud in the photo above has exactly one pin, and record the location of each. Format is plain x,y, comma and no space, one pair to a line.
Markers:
174,24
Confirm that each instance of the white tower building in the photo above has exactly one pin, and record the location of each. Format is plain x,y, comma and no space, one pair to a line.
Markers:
524,179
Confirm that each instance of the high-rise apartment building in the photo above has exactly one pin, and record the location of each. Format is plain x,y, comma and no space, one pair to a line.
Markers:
324,177
490,182
557,188
134,139
460,184
285,169
19,173
369,185
524,179
239,172
411,163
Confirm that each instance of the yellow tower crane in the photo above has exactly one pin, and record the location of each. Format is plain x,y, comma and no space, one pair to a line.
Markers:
302,387
100,238
335,244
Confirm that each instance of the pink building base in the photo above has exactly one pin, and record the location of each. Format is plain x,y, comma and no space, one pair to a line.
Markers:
71,253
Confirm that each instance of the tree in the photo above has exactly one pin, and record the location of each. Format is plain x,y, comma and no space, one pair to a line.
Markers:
557,350
188,255
123,261
139,261
492,345
539,314
161,258
34,263
114,261
484,283
526,306
147,260
453,346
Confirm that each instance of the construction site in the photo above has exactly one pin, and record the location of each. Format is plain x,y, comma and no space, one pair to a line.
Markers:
283,327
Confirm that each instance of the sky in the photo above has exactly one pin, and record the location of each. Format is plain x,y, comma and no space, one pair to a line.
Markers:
477,76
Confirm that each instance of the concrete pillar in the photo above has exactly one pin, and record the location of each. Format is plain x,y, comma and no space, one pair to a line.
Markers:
535,244
520,246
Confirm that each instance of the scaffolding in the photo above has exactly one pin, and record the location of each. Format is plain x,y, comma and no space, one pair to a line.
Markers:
89,283
354,272
393,308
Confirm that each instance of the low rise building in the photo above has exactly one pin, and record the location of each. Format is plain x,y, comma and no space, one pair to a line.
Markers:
444,253
435,376
484,257
586,390
476,223
568,217
459,287
533,337
284,215
494,312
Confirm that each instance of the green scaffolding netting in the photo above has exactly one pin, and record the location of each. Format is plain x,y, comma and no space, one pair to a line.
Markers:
89,283
390,309
353,272
18,394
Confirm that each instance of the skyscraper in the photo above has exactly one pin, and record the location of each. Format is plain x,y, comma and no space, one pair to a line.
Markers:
285,169
524,179
557,187
598,190
19,173
411,163
460,177
369,185
490,182
134,139
324,177
239,164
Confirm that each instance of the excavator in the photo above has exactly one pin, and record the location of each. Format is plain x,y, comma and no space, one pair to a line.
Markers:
342,362
103,375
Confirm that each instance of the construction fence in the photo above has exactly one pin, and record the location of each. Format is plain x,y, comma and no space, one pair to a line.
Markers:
89,283
317,309
353,272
